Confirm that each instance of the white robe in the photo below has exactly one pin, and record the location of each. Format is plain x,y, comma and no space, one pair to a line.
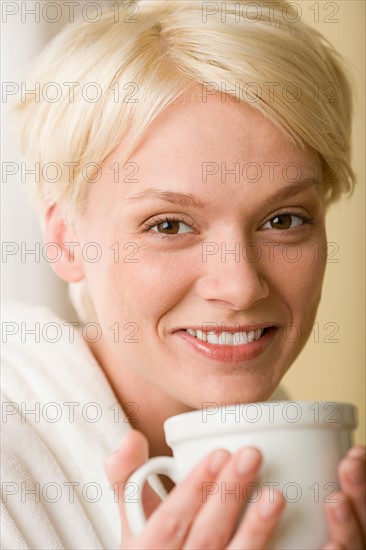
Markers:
60,420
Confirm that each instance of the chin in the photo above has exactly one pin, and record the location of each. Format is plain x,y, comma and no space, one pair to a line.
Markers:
229,396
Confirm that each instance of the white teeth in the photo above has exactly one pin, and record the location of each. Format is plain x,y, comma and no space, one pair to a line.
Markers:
241,338
211,338
226,338
201,335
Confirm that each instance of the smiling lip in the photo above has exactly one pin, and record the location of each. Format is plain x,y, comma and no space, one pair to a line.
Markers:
229,354
214,328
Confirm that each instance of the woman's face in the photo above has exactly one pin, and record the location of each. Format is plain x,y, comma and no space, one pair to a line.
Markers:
217,219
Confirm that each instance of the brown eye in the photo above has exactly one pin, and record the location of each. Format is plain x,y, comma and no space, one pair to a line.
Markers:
168,227
284,221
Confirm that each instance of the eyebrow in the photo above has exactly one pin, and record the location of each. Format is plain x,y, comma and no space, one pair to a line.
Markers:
186,199
294,189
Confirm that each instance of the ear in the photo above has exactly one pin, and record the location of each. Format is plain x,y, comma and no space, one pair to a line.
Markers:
69,264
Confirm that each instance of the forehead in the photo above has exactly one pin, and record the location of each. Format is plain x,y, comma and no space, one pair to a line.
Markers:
191,132
215,150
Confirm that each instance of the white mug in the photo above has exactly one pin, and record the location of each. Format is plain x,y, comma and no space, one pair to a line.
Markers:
301,443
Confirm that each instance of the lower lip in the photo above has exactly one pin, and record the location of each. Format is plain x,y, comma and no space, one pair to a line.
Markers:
229,354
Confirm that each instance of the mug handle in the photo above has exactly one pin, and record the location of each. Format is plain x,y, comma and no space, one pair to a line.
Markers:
135,514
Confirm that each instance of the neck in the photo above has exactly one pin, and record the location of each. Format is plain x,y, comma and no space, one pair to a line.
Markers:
145,405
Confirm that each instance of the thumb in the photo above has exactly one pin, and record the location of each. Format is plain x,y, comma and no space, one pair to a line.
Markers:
121,465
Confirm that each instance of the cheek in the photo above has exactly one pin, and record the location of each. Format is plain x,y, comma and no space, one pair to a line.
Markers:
297,274
134,284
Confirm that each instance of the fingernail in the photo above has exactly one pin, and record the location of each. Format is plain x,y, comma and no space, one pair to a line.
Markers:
357,452
355,471
268,506
246,460
342,511
217,461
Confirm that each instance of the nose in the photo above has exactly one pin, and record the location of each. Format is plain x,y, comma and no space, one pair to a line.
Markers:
231,276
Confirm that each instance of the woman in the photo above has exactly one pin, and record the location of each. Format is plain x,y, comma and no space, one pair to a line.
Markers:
191,157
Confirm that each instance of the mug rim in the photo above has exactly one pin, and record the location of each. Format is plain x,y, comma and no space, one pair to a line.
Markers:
190,425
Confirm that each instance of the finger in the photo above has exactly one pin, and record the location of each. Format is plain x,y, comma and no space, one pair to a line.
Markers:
332,546
170,523
259,522
342,523
215,520
133,453
352,475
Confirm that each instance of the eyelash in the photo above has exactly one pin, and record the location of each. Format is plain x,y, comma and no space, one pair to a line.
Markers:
307,220
163,219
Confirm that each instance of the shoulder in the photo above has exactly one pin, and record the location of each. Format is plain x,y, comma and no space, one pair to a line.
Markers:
60,420
54,380
42,354
36,332
37,507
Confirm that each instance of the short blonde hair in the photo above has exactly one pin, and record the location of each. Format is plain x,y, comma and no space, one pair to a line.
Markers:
258,52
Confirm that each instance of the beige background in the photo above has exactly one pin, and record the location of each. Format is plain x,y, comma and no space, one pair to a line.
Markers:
324,371
336,371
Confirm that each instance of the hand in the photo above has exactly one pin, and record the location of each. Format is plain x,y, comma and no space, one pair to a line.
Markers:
347,519
187,520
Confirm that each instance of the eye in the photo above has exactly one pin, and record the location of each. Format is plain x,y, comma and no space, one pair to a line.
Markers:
286,221
169,226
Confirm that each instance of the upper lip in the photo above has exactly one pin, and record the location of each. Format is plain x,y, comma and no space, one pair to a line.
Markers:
218,328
